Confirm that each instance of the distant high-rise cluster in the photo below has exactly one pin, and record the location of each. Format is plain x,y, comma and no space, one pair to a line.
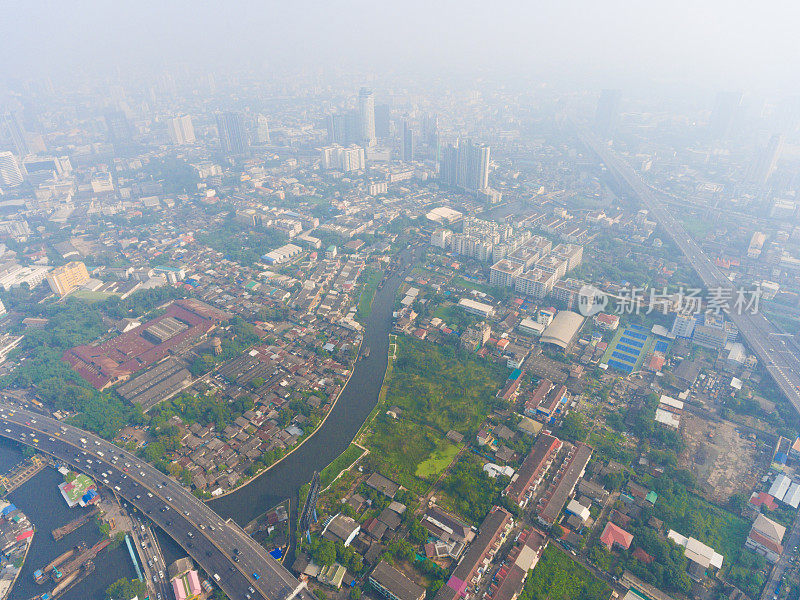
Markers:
361,125
181,130
466,165
231,133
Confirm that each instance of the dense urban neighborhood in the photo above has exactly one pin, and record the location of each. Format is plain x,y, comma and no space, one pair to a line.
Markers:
337,338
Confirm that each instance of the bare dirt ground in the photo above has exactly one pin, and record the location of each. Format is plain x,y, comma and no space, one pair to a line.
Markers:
724,462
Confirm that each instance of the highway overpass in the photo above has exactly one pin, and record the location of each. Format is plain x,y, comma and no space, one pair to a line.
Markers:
778,355
237,563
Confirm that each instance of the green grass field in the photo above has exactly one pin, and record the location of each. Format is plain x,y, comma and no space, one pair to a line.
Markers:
437,462
558,577
442,388
399,447
372,279
339,464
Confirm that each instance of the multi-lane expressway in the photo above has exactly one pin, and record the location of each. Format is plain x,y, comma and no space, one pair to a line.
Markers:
777,353
236,562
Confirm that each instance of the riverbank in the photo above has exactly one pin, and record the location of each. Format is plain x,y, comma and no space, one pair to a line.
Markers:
353,407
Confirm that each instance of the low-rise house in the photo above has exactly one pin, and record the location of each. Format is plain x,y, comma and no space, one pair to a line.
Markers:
393,585
766,538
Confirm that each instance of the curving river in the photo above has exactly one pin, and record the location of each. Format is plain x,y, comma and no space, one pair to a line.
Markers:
358,398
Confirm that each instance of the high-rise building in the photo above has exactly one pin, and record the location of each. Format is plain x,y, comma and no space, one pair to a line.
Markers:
335,125
10,173
408,142
766,160
181,130
366,113
607,114
231,133
64,279
120,131
723,117
466,165
262,130
430,135
15,132
382,112
343,159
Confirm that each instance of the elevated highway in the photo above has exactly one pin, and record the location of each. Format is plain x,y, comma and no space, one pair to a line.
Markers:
236,562
777,353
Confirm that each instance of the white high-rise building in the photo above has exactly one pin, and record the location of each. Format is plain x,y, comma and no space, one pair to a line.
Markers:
366,114
343,159
181,130
262,130
10,173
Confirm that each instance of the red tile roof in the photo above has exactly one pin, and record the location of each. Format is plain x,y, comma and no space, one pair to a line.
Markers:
613,534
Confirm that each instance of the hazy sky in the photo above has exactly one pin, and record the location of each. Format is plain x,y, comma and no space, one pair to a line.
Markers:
716,43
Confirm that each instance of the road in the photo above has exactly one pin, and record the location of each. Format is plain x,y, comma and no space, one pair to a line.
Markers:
778,354
237,563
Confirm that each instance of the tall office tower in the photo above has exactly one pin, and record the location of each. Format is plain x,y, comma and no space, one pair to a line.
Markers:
120,131
466,165
15,132
262,130
181,130
231,133
723,117
335,125
352,127
447,165
430,134
766,160
382,112
366,114
408,142
606,116
10,173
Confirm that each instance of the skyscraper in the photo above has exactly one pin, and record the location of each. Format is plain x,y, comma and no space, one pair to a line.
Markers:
466,165
382,112
723,117
408,142
766,160
231,133
120,131
430,134
366,113
181,130
262,130
10,173
15,132
607,114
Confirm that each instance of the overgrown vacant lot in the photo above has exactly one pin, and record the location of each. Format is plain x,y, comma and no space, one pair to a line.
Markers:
438,389
442,387
558,577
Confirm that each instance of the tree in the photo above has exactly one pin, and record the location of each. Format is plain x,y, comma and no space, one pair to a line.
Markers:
324,553
125,589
